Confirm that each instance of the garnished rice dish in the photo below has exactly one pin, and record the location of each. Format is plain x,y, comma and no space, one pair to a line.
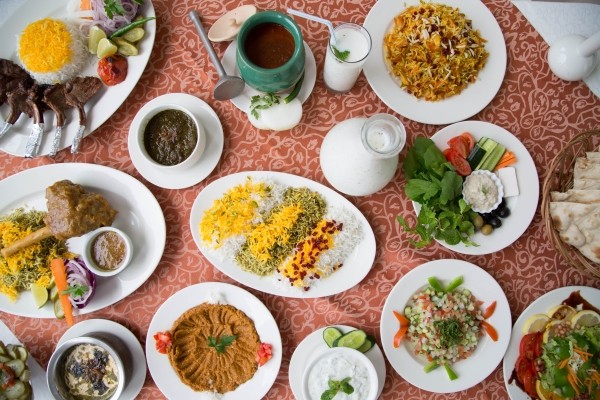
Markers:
52,51
289,233
433,51
444,326
31,264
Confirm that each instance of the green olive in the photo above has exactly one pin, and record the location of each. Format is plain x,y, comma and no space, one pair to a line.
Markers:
487,229
477,220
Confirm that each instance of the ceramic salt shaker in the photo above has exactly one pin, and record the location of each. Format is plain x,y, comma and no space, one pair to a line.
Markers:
359,156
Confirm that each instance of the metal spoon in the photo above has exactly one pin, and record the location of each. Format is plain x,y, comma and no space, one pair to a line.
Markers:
228,86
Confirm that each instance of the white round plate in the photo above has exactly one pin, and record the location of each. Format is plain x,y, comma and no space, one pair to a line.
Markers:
136,381
242,101
139,216
313,345
488,353
165,376
522,207
456,108
38,374
209,159
539,306
356,267
100,107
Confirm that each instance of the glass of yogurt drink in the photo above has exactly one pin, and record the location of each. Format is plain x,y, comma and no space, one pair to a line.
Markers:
340,74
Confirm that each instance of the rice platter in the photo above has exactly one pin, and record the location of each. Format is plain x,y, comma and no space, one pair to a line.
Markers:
52,51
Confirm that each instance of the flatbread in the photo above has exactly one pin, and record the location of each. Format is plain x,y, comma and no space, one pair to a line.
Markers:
593,155
577,196
586,169
578,225
586,184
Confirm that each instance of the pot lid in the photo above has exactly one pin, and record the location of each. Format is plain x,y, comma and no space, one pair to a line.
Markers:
228,26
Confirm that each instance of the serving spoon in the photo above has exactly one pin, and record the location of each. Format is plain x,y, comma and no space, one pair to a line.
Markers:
228,86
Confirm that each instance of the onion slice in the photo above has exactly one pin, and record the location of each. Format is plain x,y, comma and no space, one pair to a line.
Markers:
79,274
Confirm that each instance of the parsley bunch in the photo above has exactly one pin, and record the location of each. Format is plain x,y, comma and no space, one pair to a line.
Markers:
221,344
434,184
115,7
337,386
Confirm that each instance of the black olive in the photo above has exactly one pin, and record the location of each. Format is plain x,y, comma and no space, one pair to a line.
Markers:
487,217
503,212
495,222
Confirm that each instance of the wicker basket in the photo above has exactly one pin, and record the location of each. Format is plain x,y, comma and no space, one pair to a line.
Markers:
560,178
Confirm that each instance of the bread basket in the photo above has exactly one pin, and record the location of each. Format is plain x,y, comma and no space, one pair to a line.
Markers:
560,178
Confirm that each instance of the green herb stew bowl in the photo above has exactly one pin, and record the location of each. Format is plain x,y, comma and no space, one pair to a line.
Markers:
270,52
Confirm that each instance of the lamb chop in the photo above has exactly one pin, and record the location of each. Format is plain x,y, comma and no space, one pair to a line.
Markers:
17,101
35,101
71,212
54,97
78,92
12,77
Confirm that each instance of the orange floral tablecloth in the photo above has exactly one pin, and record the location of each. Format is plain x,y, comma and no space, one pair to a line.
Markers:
541,110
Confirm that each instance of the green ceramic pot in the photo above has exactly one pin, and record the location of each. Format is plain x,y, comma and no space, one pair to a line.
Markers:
271,79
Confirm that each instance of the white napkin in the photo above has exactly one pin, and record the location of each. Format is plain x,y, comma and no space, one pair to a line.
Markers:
554,20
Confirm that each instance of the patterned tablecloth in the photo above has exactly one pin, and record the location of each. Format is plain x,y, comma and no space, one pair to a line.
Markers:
543,111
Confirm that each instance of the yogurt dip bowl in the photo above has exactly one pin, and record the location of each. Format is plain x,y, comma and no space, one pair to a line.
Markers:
107,251
97,355
340,364
282,65
483,191
174,128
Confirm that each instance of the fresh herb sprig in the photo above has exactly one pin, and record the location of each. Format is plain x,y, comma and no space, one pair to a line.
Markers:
341,55
434,184
115,7
76,290
337,386
263,102
221,344
449,330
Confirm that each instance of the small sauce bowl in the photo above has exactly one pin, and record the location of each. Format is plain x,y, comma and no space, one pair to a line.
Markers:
155,137
337,364
112,353
107,251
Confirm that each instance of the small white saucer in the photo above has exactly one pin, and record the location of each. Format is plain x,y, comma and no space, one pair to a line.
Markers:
313,345
137,352
212,152
243,100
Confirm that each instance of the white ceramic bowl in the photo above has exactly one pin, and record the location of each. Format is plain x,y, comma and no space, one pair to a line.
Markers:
495,180
338,363
113,346
196,152
88,255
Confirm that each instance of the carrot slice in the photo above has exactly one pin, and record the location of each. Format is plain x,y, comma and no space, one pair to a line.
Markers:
490,330
85,5
401,318
489,310
400,335
59,272
508,158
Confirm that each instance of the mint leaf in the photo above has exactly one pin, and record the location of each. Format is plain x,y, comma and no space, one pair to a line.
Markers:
337,386
76,290
221,345
341,55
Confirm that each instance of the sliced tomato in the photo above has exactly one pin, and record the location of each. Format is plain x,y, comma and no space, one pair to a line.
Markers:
460,145
529,383
489,310
399,335
530,345
470,140
460,164
264,353
163,341
538,345
521,366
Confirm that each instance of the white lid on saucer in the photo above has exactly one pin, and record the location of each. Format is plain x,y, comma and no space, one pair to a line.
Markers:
228,26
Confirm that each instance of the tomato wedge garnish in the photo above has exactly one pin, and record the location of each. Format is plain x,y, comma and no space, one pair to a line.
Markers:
399,335
163,341
490,330
401,318
460,145
460,164
470,140
489,310
264,353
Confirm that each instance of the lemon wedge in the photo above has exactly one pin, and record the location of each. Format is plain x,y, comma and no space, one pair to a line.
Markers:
561,311
106,48
96,34
546,394
40,295
535,323
585,318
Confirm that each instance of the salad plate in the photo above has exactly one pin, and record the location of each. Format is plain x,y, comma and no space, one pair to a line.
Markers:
38,374
242,102
99,108
313,345
138,375
456,108
522,207
356,266
165,376
488,353
539,306
139,216
210,156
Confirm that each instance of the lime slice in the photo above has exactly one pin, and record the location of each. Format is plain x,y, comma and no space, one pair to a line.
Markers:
435,284
353,339
106,48
454,283
95,35
330,334
40,295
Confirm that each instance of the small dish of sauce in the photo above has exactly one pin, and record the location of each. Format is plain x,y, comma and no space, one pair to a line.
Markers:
108,251
269,45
